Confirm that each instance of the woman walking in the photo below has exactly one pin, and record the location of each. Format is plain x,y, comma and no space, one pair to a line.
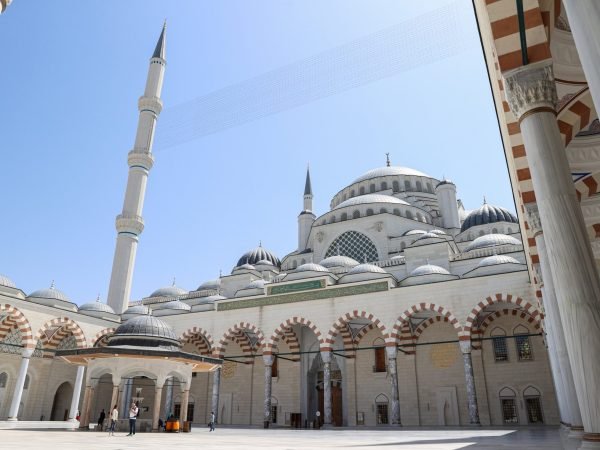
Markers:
114,416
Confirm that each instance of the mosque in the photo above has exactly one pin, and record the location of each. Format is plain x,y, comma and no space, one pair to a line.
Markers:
398,306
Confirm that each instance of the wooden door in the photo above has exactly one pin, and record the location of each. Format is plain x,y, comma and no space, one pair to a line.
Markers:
336,407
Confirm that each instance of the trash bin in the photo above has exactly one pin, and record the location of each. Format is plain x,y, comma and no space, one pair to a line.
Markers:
187,426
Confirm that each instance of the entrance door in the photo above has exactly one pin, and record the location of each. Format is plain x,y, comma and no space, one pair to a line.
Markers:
62,401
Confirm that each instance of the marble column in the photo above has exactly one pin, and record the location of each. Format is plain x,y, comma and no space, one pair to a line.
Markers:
168,397
556,334
531,95
327,400
87,404
268,360
126,397
115,396
76,393
392,353
584,17
215,393
18,393
185,398
465,349
156,410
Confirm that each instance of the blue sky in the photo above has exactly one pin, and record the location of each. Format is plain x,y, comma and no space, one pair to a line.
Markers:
72,74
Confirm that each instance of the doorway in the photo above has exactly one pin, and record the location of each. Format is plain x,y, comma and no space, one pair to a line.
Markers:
62,402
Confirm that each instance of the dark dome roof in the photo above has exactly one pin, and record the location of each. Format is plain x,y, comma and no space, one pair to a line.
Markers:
488,214
145,331
258,254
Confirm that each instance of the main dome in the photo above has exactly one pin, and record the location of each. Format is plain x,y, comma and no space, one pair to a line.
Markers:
371,198
488,214
257,254
387,171
145,331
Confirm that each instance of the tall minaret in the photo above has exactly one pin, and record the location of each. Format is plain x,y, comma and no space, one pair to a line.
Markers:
306,217
130,223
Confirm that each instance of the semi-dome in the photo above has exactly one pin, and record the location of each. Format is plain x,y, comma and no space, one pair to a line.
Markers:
258,254
414,232
96,307
429,269
497,259
492,240
145,331
211,284
311,267
389,170
366,268
50,293
7,282
338,261
169,291
488,214
371,198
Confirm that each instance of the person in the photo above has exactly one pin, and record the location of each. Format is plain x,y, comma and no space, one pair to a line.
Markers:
114,416
161,424
211,425
133,412
101,419
318,414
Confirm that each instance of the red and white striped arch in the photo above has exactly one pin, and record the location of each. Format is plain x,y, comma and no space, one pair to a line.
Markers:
200,338
14,318
341,326
55,330
236,333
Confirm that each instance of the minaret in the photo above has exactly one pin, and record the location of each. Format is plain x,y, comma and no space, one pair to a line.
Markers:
130,223
306,217
4,4
446,196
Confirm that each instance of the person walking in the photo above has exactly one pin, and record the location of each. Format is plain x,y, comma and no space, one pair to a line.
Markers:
101,420
114,416
133,412
211,425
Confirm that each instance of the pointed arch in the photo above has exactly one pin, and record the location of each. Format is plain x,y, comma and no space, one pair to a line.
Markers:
479,331
236,332
340,325
402,325
15,318
280,332
200,338
55,330
100,340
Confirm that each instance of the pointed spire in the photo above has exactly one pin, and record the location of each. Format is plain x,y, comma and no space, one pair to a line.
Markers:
484,200
160,50
173,282
387,160
52,285
307,185
98,298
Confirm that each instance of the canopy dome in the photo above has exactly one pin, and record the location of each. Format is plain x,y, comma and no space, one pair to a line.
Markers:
338,261
488,214
366,268
492,240
429,269
169,291
371,198
5,281
50,293
145,331
96,307
497,259
137,310
311,267
257,254
387,171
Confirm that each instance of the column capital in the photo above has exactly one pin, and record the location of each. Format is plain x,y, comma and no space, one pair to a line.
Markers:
326,356
531,88
392,352
533,218
268,359
27,352
465,346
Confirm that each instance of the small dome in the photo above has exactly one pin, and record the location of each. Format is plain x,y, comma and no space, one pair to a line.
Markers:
371,198
414,232
338,261
366,268
145,331
387,171
438,232
311,267
169,291
488,214
428,235
429,269
96,307
247,266
7,282
50,293
211,285
258,254
497,259
256,284
445,181
174,305
214,298
137,310
492,240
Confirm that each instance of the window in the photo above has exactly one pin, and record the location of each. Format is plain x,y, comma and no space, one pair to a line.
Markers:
533,405
381,409
379,360
402,246
495,230
190,413
384,186
406,185
352,193
362,190
409,215
395,186
344,197
419,186
3,379
332,220
396,212
372,188
356,214
273,413
509,410
523,348
383,211
275,368
429,188
344,217
499,345
355,245
369,212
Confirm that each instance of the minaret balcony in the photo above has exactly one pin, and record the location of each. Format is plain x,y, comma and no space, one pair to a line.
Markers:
153,104
140,158
130,223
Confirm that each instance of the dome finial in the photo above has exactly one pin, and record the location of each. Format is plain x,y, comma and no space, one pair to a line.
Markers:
98,298
52,285
387,159
260,243
220,273
173,282
484,200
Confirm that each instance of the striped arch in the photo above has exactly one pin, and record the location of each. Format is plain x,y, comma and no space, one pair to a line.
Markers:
362,333
575,114
236,333
280,332
478,332
587,186
470,325
340,325
55,330
202,340
101,338
15,318
427,323
402,326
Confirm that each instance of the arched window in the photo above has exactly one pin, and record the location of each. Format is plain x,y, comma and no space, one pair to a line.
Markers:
355,245
344,197
352,193
379,352
395,186
510,231
407,185
372,188
523,343
362,190
499,344
294,264
409,215
381,409
495,230
303,261
275,368
419,186
533,404
384,186
419,217
397,212
356,214
481,233
369,212
332,220
383,211
274,407
429,188
3,380
402,246
344,217
509,406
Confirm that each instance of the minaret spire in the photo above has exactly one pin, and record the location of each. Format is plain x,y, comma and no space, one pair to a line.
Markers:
129,223
306,217
307,184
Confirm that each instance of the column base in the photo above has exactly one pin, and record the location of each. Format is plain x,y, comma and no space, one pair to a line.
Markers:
575,433
590,441
13,419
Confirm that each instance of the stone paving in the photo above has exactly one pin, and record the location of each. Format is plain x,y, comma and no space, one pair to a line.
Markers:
545,438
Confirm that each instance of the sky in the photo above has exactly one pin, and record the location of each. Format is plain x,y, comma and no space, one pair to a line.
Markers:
72,73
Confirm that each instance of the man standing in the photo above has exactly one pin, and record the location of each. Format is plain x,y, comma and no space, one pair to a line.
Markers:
101,420
212,421
133,412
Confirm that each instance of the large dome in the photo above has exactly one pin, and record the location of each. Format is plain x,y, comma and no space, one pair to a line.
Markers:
387,171
258,254
145,331
371,198
488,214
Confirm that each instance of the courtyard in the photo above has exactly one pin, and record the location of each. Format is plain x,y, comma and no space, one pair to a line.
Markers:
547,438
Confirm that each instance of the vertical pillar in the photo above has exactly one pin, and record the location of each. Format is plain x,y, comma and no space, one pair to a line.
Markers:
215,393
531,95
13,412
327,400
584,17
268,360
126,397
168,397
185,398
558,348
115,396
76,393
156,410
465,348
392,353
87,404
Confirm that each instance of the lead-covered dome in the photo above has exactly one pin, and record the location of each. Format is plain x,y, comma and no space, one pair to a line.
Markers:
492,240
145,331
7,282
137,310
50,293
171,308
169,291
371,198
497,259
366,268
311,267
97,307
210,285
338,261
258,254
429,269
488,214
389,171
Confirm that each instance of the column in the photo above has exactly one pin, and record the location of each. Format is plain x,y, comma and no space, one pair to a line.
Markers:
125,398
18,393
87,403
76,393
392,353
268,360
531,95
115,396
185,398
215,393
156,410
556,334
327,414
169,397
584,17
465,349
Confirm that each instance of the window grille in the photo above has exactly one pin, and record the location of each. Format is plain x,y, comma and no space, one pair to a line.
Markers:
523,348
355,245
382,413
534,410
273,413
509,410
500,349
